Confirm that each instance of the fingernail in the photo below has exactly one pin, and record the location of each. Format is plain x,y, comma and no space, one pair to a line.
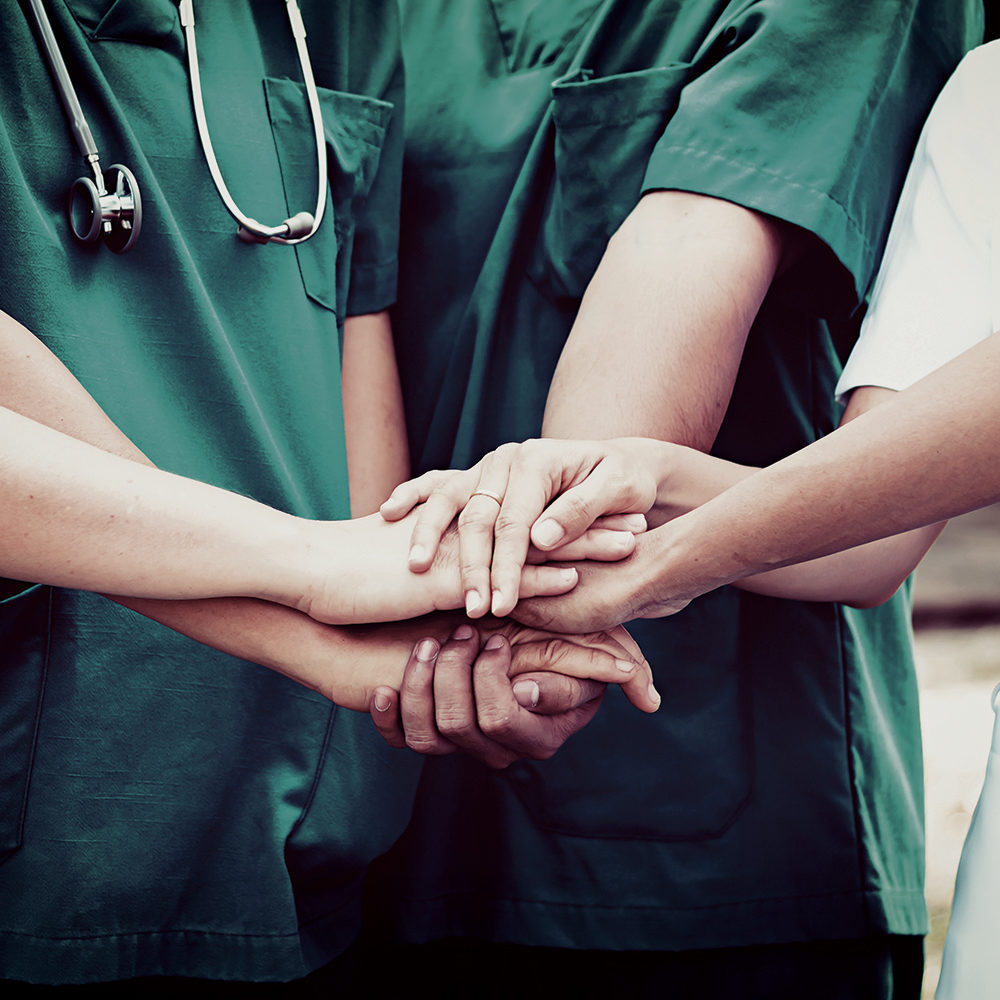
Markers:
627,666
382,702
463,632
427,650
472,601
526,694
418,554
494,642
547,532
635,522
567,576
654,695
497,601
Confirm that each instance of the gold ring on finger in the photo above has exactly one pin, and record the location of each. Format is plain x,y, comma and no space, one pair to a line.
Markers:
488,493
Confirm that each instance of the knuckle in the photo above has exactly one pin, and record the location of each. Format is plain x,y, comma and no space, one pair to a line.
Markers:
509,524
472,519
456,728
498,724
423,742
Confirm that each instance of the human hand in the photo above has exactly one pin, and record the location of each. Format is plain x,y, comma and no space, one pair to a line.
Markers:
556,495
461,696
357,573
645,585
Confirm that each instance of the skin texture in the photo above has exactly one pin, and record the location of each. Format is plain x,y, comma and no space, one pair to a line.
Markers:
96,506
926,454
374,425
676,291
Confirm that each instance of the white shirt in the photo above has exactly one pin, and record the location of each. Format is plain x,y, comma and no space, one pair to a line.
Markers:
938,289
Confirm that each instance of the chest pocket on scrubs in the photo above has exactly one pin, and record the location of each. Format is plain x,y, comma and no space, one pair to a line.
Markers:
149,22
535,33
682,774
355,130
605,131
24,631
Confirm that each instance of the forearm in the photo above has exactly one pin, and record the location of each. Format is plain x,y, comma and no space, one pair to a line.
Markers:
374,424
928,454
92,520
94,513
345,664
675,294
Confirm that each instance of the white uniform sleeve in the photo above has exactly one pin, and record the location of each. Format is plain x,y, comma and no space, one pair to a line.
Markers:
938,289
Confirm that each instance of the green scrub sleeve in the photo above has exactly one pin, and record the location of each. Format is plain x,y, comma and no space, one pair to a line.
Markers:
798,110
374,264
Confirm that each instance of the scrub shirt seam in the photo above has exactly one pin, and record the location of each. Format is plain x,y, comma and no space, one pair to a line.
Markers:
849,761
757,901
36,723
317,773
171,932
775,174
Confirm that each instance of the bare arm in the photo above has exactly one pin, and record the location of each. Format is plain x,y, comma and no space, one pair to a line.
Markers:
374,425
924,455
675,293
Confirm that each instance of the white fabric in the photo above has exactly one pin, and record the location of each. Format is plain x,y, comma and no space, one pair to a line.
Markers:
938,289
970,969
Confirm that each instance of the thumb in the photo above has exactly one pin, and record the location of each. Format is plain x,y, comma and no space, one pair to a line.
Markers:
548,693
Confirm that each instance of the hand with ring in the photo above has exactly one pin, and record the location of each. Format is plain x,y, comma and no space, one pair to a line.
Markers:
542,500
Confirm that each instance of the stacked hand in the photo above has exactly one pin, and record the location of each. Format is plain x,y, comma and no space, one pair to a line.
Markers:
521,505
558,500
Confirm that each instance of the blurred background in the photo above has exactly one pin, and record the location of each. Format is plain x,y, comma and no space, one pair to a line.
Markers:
956,618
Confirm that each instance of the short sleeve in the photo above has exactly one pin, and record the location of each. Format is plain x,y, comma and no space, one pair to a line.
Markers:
810,113
938,288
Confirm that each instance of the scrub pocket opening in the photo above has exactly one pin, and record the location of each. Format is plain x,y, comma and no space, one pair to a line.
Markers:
535,33
682,774
355,128
145,22
24,653
605,132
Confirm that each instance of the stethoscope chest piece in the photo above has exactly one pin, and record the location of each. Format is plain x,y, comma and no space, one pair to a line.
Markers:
112,209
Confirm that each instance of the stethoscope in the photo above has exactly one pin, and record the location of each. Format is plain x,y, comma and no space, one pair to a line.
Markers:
109,203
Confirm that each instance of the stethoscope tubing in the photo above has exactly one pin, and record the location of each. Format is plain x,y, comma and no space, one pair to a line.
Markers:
257,231
110,203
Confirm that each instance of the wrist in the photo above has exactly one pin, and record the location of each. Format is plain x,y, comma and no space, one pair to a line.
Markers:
674,567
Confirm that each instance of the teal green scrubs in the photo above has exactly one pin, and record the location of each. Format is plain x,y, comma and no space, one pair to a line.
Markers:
776,796
164,808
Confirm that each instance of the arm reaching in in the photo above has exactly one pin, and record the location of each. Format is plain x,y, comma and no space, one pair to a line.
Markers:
923,455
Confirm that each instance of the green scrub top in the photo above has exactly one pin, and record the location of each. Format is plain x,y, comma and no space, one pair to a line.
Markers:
776,795
164,808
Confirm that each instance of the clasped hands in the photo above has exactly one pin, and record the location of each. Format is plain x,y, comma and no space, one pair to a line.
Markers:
546,534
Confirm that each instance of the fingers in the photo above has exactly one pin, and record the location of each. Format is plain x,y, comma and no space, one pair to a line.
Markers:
600,544
525,733
609,489
640,688
611,657
548,693
456,700
407,495
417,701
384,710
447,496
546,580
477,525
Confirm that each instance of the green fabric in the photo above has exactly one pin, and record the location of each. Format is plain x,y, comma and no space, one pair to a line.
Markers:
776,795
187,813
